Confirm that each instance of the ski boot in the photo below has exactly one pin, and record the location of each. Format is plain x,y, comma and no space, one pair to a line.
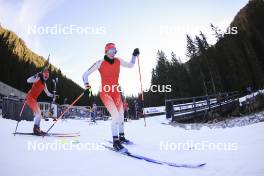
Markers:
123,140
37,131
118,146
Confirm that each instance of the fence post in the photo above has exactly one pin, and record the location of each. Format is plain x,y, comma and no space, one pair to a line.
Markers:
194,105
208,102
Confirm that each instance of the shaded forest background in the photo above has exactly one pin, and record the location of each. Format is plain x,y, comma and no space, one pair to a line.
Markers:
235,62
17,63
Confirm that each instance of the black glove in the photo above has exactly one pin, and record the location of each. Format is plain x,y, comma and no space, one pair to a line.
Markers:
136,52
40,75
55,97
88,90
37,74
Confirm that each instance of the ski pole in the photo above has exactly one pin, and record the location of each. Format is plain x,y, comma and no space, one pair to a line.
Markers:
142,95
22,109
64,112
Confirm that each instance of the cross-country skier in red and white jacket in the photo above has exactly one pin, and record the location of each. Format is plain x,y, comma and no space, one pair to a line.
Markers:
109,68
39,84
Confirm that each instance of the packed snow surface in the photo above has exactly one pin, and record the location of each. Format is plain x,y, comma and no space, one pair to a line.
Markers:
227,151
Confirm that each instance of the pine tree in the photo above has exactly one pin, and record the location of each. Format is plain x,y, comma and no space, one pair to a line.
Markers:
217,32
191,48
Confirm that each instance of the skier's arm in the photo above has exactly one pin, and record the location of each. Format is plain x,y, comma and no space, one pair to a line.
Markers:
132,61
94,67
47,91
128,64
33,79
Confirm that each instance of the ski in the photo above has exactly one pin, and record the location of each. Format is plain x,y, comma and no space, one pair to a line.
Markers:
51,134
154,161
132,144
127,143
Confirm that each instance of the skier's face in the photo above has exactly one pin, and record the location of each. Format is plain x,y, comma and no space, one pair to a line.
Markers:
46,75
111,53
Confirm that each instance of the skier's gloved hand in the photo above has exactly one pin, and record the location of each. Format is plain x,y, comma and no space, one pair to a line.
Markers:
36,75
55,97
136,52
88,90
87,86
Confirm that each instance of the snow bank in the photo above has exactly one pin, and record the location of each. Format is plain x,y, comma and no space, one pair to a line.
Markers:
249,96
227,123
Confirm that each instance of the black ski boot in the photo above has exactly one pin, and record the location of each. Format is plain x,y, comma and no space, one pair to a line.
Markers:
118,146
37,131
123,140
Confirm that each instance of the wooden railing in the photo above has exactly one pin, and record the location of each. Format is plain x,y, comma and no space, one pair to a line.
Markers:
186,108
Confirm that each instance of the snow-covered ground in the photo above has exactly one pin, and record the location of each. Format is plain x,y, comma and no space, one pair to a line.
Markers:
249,96
227,123
239,152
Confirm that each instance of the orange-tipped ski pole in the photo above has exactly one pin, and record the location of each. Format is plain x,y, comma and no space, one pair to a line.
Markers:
67,109
142,93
